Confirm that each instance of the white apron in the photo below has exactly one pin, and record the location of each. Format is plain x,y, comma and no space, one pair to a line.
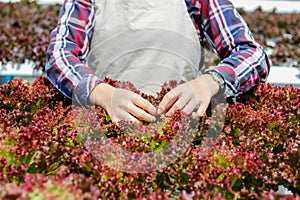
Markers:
146,42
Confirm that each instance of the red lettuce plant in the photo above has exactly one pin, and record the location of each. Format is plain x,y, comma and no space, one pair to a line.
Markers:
43,154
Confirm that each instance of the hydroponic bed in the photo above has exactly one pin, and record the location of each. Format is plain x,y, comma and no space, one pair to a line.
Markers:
43,156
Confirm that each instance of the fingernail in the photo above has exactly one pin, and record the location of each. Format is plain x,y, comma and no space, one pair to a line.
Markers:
153,111
159,111
194,115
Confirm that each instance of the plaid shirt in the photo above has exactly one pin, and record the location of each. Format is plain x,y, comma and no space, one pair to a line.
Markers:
243,61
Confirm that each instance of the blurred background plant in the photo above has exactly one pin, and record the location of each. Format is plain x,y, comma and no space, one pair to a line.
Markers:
25,33
278,33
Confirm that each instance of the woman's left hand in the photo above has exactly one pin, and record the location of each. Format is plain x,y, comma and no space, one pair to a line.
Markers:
191,97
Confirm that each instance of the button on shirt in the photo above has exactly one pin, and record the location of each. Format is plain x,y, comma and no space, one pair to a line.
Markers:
243,64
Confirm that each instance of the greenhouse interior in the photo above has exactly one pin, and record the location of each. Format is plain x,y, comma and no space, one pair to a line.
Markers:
246,146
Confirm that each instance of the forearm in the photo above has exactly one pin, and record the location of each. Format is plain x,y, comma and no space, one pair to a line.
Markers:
244,68
68,49
244,63
71,77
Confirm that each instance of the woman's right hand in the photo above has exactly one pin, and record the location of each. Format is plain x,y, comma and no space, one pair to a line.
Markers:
121,104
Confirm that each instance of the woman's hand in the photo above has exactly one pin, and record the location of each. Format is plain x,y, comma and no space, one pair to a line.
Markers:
121,104
192,97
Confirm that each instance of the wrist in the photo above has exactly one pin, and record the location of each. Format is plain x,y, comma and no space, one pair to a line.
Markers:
101,94
211,83
217,79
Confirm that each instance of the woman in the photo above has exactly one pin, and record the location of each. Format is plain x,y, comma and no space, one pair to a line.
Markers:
147,43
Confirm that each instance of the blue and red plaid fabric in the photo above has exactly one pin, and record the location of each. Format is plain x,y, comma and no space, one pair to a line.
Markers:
244,62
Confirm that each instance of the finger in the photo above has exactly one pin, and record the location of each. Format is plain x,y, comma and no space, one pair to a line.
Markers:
179,104
201,110
125,116
143,104
167,102
190,107
140,114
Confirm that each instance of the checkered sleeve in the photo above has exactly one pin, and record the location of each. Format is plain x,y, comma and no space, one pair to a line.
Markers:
244,62
68,50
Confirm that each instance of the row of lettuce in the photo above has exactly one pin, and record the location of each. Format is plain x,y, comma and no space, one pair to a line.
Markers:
46,154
